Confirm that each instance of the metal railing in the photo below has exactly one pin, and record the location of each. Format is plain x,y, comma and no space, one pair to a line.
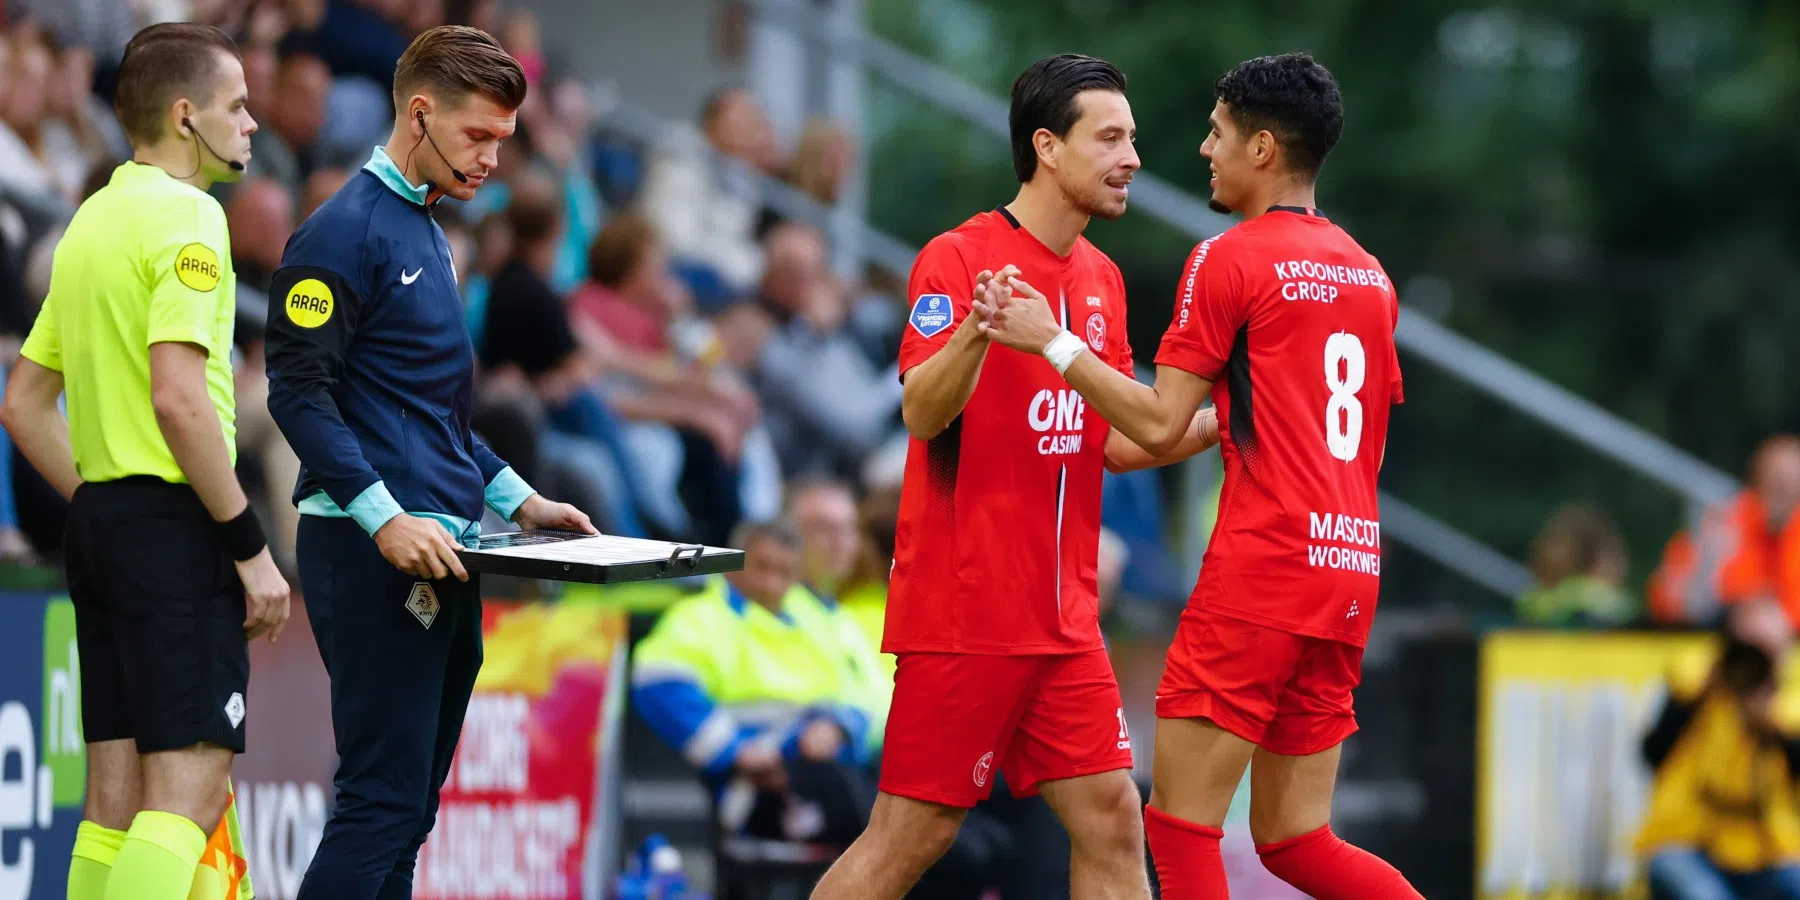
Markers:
1429,536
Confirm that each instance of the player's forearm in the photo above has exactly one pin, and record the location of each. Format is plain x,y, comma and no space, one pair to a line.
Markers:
936,390
1124,455
1131,407
32,420
190,426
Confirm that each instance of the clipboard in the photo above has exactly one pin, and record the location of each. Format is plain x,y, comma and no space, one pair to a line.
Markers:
593,559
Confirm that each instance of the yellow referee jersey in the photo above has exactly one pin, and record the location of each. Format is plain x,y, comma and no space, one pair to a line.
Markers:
146,260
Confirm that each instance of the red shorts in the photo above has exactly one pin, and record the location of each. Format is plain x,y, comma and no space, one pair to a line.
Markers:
1287,693
958,718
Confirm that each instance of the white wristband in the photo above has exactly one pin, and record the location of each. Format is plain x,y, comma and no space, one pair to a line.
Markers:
1062,350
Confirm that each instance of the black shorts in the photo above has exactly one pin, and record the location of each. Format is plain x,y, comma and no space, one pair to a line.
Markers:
159,618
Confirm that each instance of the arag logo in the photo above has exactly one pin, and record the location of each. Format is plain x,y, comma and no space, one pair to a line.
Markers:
1057,415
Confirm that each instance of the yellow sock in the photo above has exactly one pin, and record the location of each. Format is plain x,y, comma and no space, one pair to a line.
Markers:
158,858
96,846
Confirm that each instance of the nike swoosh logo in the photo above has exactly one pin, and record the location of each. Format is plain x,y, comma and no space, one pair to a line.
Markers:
409,279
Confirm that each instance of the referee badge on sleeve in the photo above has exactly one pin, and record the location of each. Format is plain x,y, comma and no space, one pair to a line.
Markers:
309,303
198,267
931,313
423,603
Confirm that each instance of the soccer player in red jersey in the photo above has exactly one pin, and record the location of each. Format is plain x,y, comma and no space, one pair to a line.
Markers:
1289,324
992,608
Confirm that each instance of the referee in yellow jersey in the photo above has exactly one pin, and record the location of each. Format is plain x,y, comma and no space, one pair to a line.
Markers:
167,566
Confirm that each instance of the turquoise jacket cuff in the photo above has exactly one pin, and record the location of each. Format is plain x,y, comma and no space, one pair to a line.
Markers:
374,507
506,493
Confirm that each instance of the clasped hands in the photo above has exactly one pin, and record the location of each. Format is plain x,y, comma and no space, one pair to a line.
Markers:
1009,311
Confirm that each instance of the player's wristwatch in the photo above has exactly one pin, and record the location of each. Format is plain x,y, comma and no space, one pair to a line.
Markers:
1062,350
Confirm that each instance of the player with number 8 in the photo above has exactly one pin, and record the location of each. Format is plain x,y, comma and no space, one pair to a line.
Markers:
1270,645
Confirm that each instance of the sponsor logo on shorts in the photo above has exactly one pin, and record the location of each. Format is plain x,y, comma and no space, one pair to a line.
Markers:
423,603
984,767
234,709
197,266
1124,732
309,303
931,313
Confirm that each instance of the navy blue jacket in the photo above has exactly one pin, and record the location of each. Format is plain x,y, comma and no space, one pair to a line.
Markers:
371,373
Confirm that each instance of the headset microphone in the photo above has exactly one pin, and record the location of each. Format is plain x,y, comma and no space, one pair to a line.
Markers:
234,164
420,115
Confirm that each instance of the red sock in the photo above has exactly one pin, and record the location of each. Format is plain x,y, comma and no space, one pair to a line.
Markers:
1325,867
1188,864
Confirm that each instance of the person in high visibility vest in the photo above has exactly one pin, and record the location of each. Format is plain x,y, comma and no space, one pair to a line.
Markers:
752,680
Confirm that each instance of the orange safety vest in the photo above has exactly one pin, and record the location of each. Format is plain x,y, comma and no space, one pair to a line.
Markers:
1735,557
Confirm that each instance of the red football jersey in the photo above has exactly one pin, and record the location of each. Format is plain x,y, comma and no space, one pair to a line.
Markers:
999,532
1294,324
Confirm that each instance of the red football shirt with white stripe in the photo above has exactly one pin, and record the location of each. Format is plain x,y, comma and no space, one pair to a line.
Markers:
998,538
1294,324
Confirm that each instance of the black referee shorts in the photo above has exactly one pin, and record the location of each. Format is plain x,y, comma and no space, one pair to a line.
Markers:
159,618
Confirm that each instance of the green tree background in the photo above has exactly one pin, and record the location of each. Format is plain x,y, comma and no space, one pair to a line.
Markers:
1604,192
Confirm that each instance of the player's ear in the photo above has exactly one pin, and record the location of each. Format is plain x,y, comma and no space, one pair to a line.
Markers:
1262,147
180,113
1046,145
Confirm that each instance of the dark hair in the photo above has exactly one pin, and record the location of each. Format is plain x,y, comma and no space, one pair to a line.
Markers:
452,62
1043,96
162,64
1293,98
1573,542
1744,667
619,248
781,531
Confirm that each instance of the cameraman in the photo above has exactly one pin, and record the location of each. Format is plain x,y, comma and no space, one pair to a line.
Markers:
1722,820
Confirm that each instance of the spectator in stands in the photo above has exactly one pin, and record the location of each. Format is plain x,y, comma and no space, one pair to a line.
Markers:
746,680
701,192
261,63
260,217
526,334
80,132
1723,820
685,462
826,403
302,84
1578,563
822,161
865,590
101,27
636,317
27,170
824,509
1747,548
363,38
319,187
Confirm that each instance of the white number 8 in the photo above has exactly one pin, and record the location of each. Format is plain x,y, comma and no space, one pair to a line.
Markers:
1344,414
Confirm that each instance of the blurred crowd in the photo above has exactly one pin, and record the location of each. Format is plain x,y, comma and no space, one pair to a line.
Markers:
1743,550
